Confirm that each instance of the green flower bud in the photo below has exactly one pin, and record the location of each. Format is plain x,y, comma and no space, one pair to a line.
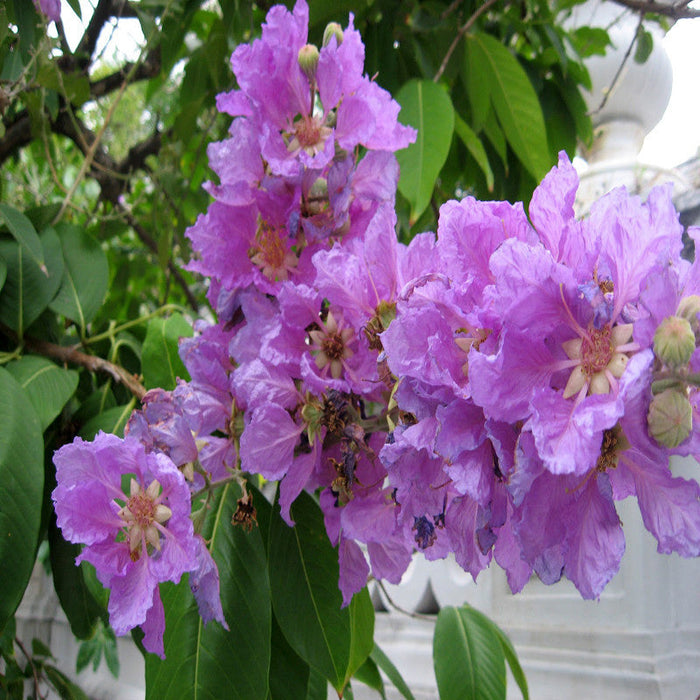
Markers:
308,60
319,190
670,418
312,414
332,29
674,341
689,308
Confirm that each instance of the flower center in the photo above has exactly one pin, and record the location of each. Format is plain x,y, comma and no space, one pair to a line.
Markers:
270,252
599,359
309,134
143,514
142,509
596,350
331,346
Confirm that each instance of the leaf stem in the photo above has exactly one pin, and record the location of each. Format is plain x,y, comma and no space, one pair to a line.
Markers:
113,329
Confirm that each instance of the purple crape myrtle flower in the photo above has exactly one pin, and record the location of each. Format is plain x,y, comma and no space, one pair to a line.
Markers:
560,355
50,8
134,539
304,114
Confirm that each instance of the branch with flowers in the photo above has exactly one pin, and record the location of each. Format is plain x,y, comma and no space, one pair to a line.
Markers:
489,391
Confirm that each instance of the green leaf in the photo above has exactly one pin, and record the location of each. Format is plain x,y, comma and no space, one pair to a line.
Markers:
475,148
85,276
209,661
289,673
590,41
468,656
392,673
318,686
512,659
369,674
428,108
27,290
64,686
39,648
88,652
47,385
475,79
494,134
3,272
112,420
109,647
161,363
75,6
645,45
515,103
21,492
24,233
78,603
306,599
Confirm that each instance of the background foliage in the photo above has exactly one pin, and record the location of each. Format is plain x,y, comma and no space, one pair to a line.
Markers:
103,160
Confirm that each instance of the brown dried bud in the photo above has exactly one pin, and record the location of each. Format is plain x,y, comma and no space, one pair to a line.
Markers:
670,418
246,515
674,341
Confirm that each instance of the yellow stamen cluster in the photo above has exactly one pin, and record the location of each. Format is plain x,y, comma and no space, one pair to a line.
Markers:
140,515
331,346
599,359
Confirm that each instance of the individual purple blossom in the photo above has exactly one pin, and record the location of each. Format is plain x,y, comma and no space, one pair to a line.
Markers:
134,540
50,8
294,131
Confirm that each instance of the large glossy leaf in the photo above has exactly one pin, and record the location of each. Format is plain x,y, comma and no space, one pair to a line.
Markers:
47,385
3,272
27,290
369,674
113,420
79,605
475,79
428,108
512,659
515,102
209,662
21,492
392,673
289,673
306,599
24,233
468,656
85,276
475,148
159,356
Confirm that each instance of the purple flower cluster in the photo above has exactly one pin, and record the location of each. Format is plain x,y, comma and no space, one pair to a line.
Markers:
489,392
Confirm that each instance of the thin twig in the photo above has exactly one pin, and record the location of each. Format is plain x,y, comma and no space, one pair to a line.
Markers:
71,355
398,608
460,33
620,68
30,659
674,10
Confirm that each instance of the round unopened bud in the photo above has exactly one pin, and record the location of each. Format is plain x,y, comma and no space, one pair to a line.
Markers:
674,341
333,29
308,60
689,308
319,190
312,414
670,418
